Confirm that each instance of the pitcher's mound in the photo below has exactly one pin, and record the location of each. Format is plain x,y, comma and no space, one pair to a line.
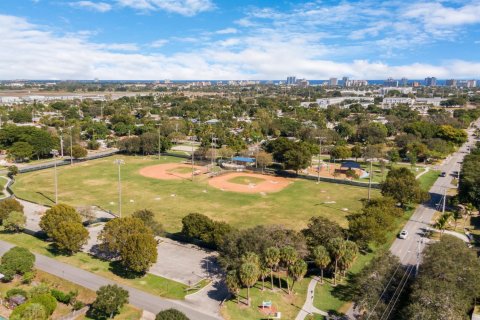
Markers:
171,171
249,182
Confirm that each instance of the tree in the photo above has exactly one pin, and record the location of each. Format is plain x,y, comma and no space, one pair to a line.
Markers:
9,205
298,158
288,256
356,152
447,284
321,258
15,222
340,152
139,252
79,152
373,222
148,218
337,248
297,271
263,159
442,222
272,259
233,283
70,236
372,133
110,299
12,171
20,151
19,260
196,226
46,300
249,273
57,214
114,235
171,314
320,230
351,253
29,311
469,184
402,186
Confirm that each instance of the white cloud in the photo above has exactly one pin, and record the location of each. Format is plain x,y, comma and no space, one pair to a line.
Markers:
96,6
182,7
33,52
438,15
227,31
158,43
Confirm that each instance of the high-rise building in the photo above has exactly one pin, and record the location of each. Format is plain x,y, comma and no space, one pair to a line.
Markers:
451,83
333,82
471,83
291,80
404,82
345,81
431,81
390,82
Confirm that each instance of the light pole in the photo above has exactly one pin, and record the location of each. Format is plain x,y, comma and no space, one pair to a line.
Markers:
119,163
71,146
55,154
370,179
159,141
319,155
61,143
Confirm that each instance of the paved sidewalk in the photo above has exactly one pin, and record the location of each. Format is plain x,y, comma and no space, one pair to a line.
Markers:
308,307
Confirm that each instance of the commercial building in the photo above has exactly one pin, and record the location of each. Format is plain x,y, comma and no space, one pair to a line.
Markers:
431,81
333,82
390,82
451,83
291,80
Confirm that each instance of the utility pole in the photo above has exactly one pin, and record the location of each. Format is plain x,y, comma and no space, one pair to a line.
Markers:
55,154
61,143
119,163
444,200
193,159
370,180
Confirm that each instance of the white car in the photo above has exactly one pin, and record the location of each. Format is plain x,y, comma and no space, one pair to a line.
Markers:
403,234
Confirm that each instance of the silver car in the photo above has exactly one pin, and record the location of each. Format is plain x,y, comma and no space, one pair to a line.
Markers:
403,234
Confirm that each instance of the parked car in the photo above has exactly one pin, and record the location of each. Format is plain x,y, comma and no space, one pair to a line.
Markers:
403,234
443,174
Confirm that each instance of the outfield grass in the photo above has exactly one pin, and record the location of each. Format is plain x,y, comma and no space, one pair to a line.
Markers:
246,180
95,183
149,283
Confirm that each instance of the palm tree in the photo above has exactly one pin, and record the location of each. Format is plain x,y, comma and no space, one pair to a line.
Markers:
249,274
233,284
298,271
322,259
349,257
442,222
264,271
337,248
251,257
288,256
272,259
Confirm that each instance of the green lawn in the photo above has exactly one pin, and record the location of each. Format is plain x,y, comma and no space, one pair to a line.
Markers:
149,283
428,179
95,183
246,180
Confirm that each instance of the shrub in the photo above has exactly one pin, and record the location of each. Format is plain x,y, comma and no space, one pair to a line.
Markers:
29,310
15,221
41,289
63,297
8,273
171,314
78,305
15,292
46,300
28,277
19,260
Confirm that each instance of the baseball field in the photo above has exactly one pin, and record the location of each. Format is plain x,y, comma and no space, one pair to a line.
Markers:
165,187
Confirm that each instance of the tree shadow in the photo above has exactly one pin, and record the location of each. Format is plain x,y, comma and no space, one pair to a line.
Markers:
116,268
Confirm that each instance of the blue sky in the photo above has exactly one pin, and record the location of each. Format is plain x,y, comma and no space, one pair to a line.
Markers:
226,39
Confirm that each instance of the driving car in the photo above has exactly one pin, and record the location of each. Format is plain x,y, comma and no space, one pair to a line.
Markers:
403,234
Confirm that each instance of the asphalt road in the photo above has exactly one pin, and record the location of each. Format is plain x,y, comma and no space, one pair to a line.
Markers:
138,298
408,249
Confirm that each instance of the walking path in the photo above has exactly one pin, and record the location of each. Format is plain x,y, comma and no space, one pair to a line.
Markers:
422,173
138,298
458,235
308,307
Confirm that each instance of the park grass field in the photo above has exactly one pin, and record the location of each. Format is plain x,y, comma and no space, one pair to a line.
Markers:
95,183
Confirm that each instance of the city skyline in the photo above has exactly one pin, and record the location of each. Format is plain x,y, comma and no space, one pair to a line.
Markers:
260,40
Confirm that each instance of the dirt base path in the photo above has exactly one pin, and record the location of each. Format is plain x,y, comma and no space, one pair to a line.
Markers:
171,171
268,185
